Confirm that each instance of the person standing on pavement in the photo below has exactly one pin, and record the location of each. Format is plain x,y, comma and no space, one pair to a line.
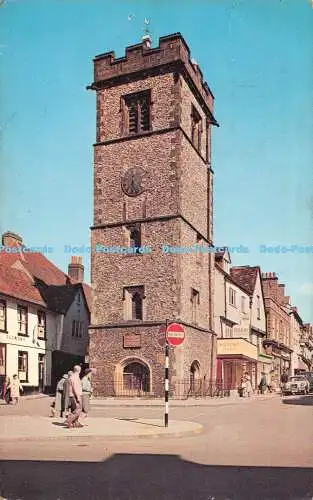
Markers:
263,384
5,393
283,380
243,387
75,396
249,389
14,389
66,398
59,396
87,391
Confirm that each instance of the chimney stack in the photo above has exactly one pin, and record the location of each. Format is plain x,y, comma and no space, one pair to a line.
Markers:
76,269
10,239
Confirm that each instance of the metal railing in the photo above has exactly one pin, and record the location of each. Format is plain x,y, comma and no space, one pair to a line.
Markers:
179,388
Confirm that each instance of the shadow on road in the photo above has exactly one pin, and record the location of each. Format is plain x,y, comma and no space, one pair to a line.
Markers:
304,400
136,421
150,477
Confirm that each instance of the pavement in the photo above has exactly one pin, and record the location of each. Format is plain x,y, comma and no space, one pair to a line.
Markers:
158,402
30,428
178,403
252,450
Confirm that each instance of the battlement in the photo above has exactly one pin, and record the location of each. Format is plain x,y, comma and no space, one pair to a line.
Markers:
270,276
172,51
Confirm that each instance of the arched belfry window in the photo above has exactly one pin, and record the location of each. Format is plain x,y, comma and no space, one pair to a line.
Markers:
138,112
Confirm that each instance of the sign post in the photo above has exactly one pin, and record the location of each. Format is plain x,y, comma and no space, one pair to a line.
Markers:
166,387
175,335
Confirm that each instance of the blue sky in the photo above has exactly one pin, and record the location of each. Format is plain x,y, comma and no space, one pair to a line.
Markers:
256,56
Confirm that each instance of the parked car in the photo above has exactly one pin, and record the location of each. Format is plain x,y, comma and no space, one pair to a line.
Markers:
297,385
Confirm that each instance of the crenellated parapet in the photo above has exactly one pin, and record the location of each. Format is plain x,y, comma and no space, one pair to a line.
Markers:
171,54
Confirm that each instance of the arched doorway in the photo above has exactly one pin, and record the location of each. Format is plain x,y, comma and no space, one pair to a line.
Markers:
136,377
194,377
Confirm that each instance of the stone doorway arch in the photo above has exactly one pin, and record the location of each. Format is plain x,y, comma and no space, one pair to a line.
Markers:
133,378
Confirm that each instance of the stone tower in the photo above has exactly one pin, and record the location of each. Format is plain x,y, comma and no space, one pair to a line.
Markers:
153,187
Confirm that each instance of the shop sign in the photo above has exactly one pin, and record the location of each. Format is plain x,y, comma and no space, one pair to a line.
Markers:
236,346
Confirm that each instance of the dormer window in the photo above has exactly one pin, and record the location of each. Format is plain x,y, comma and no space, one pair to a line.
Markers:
138,112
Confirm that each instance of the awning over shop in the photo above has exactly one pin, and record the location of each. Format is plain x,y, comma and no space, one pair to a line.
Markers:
264,358
302,365
236,347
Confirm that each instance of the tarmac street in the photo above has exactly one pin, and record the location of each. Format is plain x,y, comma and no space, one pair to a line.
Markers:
258,449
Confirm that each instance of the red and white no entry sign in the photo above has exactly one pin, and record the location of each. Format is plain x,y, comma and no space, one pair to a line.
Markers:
175,334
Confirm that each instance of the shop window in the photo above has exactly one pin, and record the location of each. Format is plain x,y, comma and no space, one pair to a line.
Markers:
23,366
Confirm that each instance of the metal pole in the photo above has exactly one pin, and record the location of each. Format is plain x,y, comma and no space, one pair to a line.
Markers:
166,383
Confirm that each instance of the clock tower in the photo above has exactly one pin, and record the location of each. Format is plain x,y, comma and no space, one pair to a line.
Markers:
153,220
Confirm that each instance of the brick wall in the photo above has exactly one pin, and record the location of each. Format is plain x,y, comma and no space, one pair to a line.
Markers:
177,182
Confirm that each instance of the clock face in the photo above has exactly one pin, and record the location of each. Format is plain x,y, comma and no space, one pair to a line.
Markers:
132,181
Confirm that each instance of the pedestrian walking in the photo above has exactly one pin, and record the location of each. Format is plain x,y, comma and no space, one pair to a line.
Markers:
58,407
75,396
270,383
66,398
263,384
5,393
283,381
243,387
249,389
15,388
87,391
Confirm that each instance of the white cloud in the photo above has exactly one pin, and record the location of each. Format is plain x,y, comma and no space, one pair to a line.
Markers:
306,289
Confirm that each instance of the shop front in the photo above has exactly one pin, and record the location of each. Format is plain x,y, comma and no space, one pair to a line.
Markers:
236,357
265,366
281,360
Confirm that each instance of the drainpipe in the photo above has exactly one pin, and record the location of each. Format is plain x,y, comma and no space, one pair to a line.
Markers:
60,332
211,316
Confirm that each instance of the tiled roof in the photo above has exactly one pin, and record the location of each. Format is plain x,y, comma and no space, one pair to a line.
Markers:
245,276
42,282
37,265
18,285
